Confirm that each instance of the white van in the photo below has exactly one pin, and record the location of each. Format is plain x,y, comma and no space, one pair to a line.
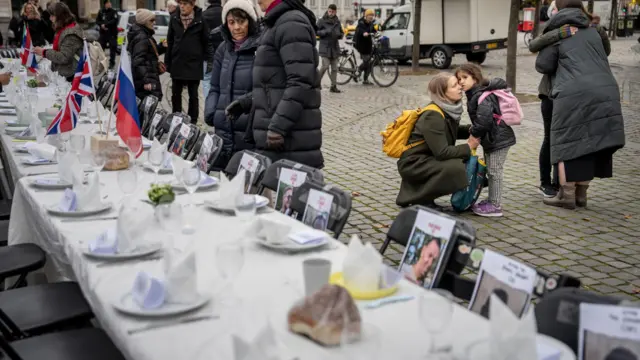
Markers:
449,27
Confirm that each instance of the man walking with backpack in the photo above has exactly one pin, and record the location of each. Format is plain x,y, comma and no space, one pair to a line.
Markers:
108,22
330,32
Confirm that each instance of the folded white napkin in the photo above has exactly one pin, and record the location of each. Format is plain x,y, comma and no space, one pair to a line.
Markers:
273,232
69,167
179,164
362,266
42,151
230,190
309,236
88,196
133,223
263,347
148,292
181,282
389,277
511,338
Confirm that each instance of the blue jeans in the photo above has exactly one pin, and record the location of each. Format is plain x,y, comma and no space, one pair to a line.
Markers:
206,82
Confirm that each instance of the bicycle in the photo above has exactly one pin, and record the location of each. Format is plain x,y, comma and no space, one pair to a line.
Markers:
380,64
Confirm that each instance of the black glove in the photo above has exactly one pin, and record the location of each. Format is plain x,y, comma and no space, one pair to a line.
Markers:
239,107
275,141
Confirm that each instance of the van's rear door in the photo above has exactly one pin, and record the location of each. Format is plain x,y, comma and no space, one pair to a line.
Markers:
492,19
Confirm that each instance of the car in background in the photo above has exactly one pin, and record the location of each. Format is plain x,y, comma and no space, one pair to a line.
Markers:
127,18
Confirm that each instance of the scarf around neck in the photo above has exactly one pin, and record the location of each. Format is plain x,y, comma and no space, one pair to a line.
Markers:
56,40
453,110
187,19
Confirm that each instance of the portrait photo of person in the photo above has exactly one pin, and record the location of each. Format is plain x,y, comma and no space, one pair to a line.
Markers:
598,346
515,299
288,181
284,201
316,213
421,258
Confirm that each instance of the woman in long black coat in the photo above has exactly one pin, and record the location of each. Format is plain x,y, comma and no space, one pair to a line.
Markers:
231,77
144,60
31,19
587,125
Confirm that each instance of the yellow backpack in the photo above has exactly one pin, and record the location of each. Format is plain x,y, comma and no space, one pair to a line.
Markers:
396,135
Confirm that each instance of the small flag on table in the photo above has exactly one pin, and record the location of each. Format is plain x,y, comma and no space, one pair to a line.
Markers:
28,56
127,119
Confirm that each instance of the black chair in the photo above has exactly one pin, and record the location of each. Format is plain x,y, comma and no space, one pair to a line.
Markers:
38,309
234,166
5,209
106,96
192,137
146,109
170,122
340,207
151,127
19,260
272,175
79,344
198,154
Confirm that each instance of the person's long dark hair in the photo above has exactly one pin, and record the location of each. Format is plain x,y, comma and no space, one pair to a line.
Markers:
63,16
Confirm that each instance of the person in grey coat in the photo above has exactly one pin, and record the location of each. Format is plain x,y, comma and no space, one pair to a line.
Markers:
330,33
286,121
587,125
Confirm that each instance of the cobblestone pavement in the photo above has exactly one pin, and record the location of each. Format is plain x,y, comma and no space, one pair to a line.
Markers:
598,244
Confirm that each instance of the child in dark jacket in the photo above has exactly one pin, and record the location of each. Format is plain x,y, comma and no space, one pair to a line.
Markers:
495,137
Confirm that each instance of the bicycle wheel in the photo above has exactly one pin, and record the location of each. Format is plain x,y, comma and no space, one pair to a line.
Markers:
384,71
346,70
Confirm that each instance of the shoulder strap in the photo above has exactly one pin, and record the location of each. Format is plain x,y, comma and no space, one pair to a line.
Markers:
432,107
484,96
154,48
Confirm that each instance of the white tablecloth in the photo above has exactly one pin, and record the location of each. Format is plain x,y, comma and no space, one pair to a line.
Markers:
269,284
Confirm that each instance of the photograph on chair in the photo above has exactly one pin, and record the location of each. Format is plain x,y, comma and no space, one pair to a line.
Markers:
175,121
427,245
288,181
154,125
609,332
178,146
206,149
251,166
510,280
316,213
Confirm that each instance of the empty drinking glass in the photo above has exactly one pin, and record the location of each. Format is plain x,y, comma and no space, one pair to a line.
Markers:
128,182
156,158
169,216
245,206
229,261
436,310
98,159
77,143
191,180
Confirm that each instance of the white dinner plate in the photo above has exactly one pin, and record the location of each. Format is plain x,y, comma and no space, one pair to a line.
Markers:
482,348
15,129
21,148
51,183
34,162
168,170
288,245
206,183
139,251
55,210
127,305
261,202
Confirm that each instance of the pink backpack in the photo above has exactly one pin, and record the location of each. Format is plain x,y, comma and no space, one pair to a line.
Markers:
509,107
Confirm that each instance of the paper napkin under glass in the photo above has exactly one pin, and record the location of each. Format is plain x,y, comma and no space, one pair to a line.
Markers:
511,338
231,189
88,195
362,266
69,167
181,280
263,347
42,150
272,231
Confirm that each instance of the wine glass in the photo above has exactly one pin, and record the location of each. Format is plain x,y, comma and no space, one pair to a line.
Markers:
97,162
435,308
169,216
128,182
229,262
77,143
33,102
134,145
190,178
245,206
156,158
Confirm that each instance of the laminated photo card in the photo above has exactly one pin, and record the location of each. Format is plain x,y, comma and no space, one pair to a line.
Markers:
510,280
178,147
316,213
609,332
154,126
175,121
206,149
251,165
430,236
288,181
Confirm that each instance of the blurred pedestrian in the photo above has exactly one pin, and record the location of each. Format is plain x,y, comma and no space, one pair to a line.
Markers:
48,25
213,18
31,19
108,21
363,42
330,33
171,6
145,64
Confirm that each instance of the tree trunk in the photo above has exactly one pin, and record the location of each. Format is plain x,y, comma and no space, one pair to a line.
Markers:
613,21
415,54
512,44
590,6
536,19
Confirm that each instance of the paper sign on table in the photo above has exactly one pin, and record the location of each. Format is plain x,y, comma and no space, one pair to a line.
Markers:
510,280
608,332
428,243
318,209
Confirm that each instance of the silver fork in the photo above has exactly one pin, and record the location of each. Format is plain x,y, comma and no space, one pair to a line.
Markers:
160,325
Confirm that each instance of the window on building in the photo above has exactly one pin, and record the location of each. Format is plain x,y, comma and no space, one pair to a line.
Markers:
324,4
312,4
397,21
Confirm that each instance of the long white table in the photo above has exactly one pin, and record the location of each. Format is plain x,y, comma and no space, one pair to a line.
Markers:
269,284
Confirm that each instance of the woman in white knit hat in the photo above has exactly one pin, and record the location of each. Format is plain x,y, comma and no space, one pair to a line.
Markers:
231,77
145,64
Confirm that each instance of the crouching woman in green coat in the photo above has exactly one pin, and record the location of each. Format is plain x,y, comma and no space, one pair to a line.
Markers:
436,167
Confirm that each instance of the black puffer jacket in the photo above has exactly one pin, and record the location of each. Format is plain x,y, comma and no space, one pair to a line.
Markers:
213,18
364,44
587,115
330,32
187,49
493,136
231,78
144,62
286,90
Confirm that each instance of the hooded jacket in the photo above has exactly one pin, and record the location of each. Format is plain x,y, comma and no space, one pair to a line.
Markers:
144,62
364,44
187,48
330,32
231,78
286,90
587,114
493,136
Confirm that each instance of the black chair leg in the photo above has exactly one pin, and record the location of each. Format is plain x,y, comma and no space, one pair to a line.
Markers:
384,246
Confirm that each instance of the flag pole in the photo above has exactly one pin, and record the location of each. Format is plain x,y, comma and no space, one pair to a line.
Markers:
115,89
93,85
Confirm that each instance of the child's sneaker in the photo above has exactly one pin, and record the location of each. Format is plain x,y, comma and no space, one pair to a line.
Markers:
477,205
488,210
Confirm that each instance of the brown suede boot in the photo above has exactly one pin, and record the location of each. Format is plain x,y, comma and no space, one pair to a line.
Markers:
581,195
565,198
